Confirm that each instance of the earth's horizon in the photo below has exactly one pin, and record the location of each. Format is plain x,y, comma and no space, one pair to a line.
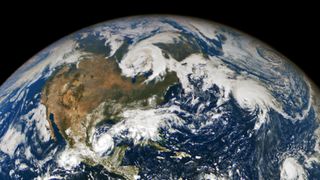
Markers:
159,97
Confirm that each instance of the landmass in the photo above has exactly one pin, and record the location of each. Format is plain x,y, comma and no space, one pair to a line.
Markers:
76,90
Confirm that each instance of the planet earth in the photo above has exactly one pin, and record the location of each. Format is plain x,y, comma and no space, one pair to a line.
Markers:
159,97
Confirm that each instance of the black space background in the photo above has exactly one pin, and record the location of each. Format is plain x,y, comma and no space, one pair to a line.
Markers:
291,28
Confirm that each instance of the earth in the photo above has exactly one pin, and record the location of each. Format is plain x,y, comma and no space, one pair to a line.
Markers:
159,97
